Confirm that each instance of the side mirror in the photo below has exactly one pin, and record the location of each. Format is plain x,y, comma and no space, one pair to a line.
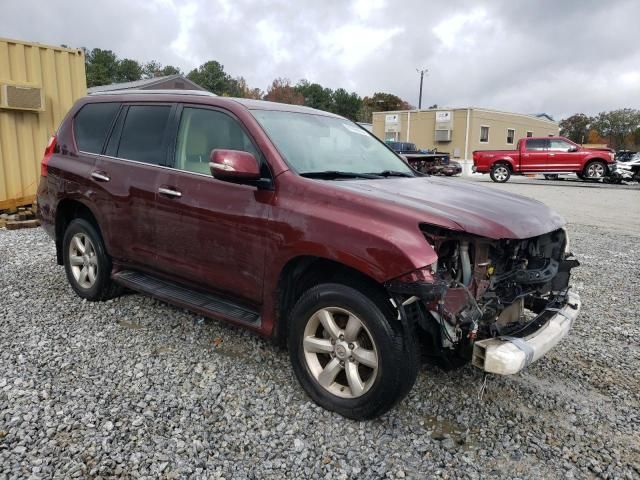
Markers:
573,149
233,165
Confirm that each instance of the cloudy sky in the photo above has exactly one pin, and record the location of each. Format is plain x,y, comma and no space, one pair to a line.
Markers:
559,57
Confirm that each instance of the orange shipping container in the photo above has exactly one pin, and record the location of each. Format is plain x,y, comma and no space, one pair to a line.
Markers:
38,85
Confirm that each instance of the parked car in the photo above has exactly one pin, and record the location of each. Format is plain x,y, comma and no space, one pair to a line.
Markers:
303,227
624,155
546,155
629,167
426,161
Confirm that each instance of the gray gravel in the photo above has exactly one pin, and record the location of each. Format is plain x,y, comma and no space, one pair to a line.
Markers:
137,388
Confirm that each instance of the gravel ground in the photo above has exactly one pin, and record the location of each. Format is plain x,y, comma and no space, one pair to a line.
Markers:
137,388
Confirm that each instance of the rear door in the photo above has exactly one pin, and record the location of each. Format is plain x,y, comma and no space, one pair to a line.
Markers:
561,158
127,177
210,232
534,156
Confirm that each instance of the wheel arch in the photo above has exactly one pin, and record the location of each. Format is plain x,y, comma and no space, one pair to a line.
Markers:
67,210
303,272
504,160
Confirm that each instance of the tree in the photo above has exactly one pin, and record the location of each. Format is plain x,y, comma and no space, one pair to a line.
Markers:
315,96
170,70
101,67
282,91
128,70
346,104
381,102
618,125
238,87
211,76
155,69
576,127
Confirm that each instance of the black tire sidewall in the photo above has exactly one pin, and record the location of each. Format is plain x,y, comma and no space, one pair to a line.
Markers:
392,354
96,292
492,173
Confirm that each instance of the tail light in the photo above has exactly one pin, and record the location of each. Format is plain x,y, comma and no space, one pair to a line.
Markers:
51,146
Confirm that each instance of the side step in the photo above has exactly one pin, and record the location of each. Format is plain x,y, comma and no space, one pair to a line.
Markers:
205,303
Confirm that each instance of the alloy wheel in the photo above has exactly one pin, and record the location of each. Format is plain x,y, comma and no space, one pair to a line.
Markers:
83,260
595,170
500,173
340,353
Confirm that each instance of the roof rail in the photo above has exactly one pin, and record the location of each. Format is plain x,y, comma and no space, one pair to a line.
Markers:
201,93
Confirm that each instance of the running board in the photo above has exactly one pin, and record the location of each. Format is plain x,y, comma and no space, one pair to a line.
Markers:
205,303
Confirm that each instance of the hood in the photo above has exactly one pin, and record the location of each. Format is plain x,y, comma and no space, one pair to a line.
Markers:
474,208
600,149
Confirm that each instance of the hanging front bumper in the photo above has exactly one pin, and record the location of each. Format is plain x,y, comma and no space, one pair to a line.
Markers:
509,355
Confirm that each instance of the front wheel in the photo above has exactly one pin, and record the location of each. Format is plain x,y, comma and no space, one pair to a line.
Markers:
500,173
349,352
595,170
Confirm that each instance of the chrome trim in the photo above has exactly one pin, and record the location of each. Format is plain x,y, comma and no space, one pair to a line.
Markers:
100,177
168,191
149,164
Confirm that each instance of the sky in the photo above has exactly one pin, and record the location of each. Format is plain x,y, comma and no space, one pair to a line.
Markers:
555,56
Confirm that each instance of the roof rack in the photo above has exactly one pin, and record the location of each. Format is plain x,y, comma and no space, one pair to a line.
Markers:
201,93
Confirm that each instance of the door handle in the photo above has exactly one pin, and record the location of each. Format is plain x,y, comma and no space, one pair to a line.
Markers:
552,154
169,192
100,176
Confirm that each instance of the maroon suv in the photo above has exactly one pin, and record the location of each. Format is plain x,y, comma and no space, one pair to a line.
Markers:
302,226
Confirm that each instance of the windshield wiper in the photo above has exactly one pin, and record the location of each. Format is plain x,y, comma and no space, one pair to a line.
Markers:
330,174
393,173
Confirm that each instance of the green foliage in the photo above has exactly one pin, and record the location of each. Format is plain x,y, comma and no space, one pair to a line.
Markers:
128,70
576,127
101,67
618,125
346,104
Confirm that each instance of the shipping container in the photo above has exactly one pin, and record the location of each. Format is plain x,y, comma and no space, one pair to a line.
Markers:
38,85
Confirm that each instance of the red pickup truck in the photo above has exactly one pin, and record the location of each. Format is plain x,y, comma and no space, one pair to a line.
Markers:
547,155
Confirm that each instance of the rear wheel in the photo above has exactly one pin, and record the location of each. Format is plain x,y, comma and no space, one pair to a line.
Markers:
500,173
595,170
349,352
87,265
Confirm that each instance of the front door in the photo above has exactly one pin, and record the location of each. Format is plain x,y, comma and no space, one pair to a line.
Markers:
562,156
534,156
210,232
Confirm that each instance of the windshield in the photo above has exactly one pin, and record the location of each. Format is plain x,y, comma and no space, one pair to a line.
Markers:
317,143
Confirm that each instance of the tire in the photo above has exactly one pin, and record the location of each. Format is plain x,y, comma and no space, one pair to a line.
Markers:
500,173
88,271
379,364
595,170
551,176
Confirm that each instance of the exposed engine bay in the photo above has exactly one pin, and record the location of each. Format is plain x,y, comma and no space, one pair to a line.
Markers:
481,288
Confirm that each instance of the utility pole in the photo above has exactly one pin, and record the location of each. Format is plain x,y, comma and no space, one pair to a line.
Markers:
421,72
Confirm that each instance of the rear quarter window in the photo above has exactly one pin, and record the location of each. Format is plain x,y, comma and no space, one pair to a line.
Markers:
91,125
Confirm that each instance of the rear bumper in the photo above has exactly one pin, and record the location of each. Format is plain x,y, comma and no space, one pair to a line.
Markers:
508,355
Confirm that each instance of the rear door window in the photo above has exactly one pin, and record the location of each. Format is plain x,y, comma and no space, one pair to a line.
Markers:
92,124
144,134
537,144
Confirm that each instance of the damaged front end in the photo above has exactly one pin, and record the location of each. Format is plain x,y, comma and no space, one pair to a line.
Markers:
501,304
